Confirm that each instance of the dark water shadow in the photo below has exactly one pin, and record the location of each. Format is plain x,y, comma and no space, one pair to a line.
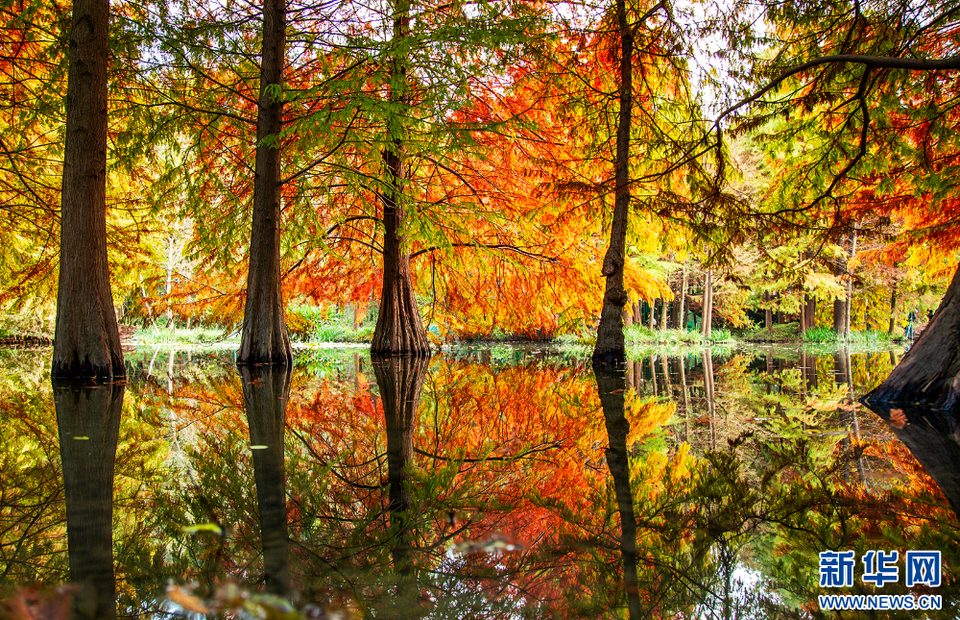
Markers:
933,437
88,423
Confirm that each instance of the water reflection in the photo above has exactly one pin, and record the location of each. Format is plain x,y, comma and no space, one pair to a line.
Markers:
932,437
88,419
266,390
612,388
499,484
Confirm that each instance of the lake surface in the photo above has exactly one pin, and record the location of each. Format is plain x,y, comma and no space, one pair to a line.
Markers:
485,483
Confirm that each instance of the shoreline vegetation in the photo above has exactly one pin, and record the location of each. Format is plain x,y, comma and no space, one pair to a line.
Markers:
337,332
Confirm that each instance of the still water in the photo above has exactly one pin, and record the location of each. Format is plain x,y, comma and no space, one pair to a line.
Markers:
486,483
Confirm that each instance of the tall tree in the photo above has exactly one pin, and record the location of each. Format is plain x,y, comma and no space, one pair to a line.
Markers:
87,340
610,347
399,328
265,339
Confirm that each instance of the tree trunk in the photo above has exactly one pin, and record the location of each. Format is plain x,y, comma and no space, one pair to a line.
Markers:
767,313
87,341
803,316
811,312
399,329
610,347
266,390
708,304
664,306
929,374
683,296
849,309
88,423
893,308
265,339
840,305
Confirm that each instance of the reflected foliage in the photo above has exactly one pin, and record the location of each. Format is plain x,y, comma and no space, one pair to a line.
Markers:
484,484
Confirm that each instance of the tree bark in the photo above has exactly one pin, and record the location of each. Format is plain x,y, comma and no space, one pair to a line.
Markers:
264,339
929,374
87,340
849,304
399,329
610,347
88,423
840,305
708,304
893,308
683,297
803,316
266,390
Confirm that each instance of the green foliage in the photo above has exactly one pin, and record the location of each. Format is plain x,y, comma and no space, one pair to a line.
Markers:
183,335
309,323
821,334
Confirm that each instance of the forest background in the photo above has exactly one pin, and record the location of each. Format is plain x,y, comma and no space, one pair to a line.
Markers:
787,162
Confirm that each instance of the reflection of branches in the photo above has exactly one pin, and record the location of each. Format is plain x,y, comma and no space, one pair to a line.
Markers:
543,447
323,462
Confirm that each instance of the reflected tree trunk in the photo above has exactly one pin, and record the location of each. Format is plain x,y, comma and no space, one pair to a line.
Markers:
400,380
88,423
686,400
653,375
265,393
933,440
710,395
611,384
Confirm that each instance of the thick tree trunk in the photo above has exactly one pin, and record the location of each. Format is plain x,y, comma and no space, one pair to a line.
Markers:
610,347
266,390
265,339
399,329
87,341
88,422
929,374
